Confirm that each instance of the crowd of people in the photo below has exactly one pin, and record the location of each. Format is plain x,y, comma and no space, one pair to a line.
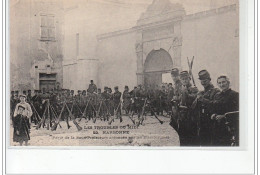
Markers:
201,118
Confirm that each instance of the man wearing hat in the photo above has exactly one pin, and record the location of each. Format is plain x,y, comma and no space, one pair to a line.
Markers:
29,95
162,100
117,103
92,87
187,129
177,84
205,107
126,100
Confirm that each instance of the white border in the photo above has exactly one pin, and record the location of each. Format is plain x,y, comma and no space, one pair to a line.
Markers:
153,161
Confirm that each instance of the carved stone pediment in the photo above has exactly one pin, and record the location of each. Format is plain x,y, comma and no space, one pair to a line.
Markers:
161,10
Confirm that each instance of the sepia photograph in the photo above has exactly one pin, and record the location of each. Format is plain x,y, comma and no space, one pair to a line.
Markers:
128,73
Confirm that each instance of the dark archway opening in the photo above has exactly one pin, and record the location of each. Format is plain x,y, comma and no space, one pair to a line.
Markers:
157,62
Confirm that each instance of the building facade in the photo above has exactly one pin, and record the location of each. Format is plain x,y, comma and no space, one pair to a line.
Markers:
36,50
163,39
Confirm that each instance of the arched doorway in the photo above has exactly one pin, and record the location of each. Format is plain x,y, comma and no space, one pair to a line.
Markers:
157,63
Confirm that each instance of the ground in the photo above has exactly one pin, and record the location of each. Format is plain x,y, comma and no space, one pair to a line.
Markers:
100,133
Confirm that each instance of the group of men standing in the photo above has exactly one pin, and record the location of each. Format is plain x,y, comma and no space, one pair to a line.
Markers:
201,118
208,117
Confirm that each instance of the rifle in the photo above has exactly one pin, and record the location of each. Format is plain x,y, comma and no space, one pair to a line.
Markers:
83,114
54,127
155,115
73,118
38,118
55,114
42,120
142,113
190,64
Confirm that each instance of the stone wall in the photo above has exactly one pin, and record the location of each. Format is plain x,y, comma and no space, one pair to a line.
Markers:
212,37
26,48
117,60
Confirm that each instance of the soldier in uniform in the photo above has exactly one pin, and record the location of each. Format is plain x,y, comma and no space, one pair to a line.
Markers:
226,101
163,98
92,87
177,84
29,96
126,100
205,108
176,98
170,93
187,119
117,103
106,98
99,103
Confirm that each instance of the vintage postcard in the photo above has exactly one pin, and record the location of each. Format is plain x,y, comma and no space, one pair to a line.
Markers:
151,73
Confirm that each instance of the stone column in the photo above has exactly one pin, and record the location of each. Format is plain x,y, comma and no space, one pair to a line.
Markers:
139,55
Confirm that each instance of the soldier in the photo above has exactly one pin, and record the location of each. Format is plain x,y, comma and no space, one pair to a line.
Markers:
157,102
99,103
111,102
187,121
117,103
177,84
24,93
29,96
106,98
126,100
92,87
163,98
206,109
226,101
170,94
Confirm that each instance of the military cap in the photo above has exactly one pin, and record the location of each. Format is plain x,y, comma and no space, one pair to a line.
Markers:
79,90
170,83
29,90
24,92
204,74
71,90
84,91
135,87
126,87
105,88
175,71
23,95
116,87
12,92
16,92
184,74
20,106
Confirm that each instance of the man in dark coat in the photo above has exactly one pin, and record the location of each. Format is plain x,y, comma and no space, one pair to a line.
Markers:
126,100
204,105
187,119
92,87
117,102
226,101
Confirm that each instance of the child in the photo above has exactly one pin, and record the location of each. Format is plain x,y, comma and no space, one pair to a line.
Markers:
21,128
